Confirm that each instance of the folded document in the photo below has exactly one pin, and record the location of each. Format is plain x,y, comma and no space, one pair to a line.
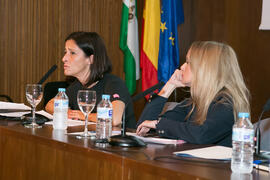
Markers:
10,105
157,140
213,152
8,109
71,122
220,153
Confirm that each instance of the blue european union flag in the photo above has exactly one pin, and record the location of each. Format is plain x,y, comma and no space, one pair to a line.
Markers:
171,16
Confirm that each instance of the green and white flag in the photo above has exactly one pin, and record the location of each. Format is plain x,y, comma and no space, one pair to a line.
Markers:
129,43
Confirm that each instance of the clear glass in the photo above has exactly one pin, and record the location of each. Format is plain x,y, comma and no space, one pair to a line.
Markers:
34,95
86,101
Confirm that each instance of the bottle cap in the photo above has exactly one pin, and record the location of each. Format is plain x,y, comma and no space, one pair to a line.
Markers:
243,115
61,89
106,96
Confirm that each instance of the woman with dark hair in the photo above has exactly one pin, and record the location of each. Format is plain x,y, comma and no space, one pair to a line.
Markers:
86,59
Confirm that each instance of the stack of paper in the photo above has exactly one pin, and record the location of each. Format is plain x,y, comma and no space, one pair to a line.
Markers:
9,109
18,110
9,105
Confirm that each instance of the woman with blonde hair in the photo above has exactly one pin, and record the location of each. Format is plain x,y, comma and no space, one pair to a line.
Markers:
218,93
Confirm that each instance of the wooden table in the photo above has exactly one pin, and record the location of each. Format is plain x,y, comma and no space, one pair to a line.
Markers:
48,154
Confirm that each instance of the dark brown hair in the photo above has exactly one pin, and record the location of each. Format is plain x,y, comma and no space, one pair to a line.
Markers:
92,44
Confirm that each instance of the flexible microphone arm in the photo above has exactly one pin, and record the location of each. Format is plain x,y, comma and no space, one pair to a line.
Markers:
258,131
147,91
45,77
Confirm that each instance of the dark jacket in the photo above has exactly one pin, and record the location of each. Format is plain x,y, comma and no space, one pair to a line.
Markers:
216,129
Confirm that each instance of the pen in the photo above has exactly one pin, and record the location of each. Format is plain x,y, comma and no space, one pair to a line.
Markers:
260,161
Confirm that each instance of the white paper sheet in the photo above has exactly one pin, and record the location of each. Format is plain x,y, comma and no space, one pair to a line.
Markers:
213,152
20,114
44,113
9,105
157,140
265,20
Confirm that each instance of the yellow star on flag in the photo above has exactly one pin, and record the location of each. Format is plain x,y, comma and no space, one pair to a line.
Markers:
163,26
172,39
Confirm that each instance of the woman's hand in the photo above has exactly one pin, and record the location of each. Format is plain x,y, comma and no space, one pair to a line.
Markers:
176,78
145,127
75,114
174,82
78,115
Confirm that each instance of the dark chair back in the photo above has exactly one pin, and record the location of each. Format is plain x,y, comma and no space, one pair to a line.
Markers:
265,133
51,89
5,98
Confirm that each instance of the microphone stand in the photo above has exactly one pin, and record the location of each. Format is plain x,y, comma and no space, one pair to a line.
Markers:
258,136
124,140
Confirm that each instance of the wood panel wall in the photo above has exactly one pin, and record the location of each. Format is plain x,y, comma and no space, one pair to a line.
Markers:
33,32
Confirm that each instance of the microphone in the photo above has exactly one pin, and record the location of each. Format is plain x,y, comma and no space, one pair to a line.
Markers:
124,140
258,132
45,77
147,91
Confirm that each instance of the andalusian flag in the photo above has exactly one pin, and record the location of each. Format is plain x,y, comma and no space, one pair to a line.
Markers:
129,43
160,51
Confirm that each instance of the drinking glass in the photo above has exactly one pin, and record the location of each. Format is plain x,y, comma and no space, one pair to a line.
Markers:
86,101
33,95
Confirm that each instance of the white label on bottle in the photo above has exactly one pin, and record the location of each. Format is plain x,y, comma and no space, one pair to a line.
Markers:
104,113
60,103
245,135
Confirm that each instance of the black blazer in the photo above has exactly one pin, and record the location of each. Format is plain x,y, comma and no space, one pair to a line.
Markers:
217,128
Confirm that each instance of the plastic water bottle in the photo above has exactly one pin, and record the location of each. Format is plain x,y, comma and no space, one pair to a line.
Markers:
242,141
104,119
60,115
240,176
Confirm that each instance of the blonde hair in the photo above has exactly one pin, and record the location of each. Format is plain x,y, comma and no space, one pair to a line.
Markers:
216,72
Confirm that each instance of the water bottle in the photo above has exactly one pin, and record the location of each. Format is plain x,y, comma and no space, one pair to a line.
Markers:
60,115
104,119
59,135
239,176
242,141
